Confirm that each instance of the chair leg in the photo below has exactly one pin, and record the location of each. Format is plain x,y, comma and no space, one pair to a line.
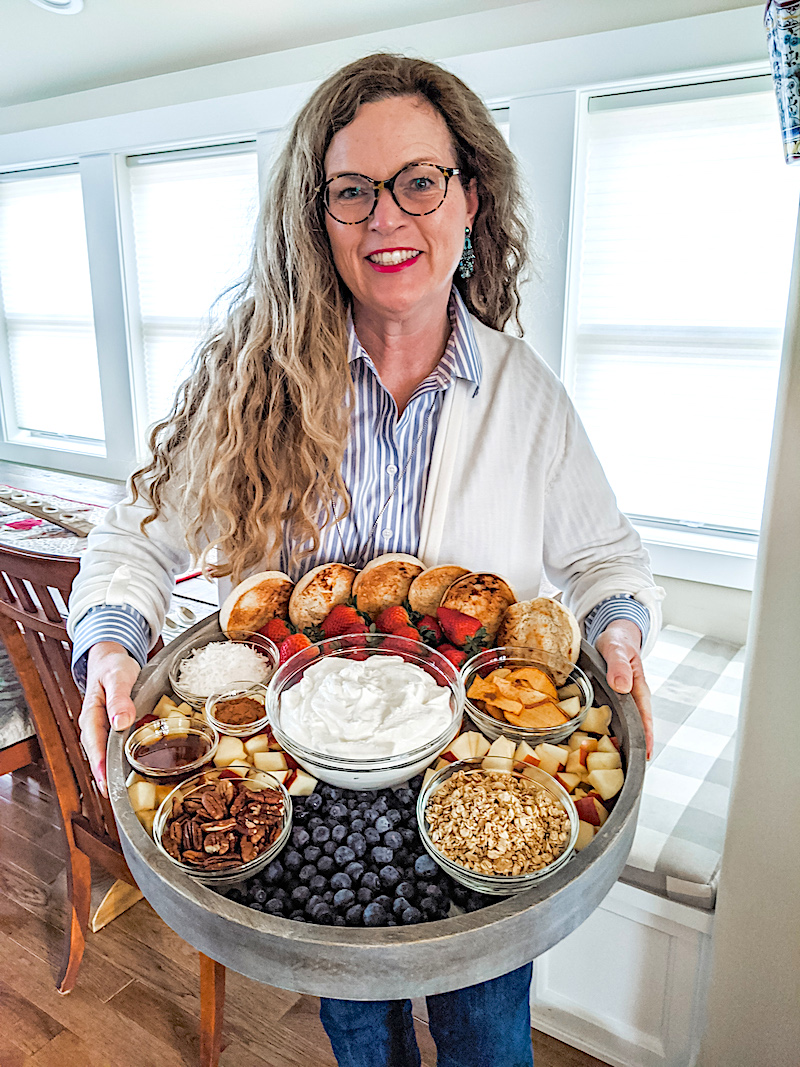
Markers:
212,1002
79,892
116,902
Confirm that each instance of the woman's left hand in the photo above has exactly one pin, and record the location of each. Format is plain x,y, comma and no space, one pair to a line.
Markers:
619,645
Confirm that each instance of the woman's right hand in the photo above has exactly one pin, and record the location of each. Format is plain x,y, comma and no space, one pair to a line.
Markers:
110,675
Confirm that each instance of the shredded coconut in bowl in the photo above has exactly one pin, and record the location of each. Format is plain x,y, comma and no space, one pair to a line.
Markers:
216,666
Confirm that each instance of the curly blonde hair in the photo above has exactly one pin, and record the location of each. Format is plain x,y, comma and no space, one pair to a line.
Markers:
256,436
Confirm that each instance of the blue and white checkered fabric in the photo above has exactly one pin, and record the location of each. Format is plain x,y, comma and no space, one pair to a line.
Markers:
696,683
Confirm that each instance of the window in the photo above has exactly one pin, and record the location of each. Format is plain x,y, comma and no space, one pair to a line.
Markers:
48,354
682,243
193,216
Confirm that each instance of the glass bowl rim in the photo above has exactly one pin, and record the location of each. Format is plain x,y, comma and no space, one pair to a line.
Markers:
190,768
218,636
235,689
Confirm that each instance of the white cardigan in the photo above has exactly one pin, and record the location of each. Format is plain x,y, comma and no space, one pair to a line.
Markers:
514,488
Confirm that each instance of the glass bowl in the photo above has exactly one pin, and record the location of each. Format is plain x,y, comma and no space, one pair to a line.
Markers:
492,658
237,691
254,781
496,884
171,747
361,772
258,642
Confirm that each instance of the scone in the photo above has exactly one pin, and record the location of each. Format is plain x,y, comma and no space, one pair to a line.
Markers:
385,581
428,588
481,595
255,601
318,591
544,624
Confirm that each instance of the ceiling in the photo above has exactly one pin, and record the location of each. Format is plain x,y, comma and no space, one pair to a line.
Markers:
45,54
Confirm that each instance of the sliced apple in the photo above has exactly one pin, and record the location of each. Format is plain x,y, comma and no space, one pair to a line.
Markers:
257,743
146,818
162,792
270,761
597,720
576,739
569,781
586,833
572,689
571,706
603,761
574,765
606,744
142,796
427,776
281,776
500,752
303,784
229,750
164,706
480,746
591,810
525,754
132,778
587,746
607,783
460,748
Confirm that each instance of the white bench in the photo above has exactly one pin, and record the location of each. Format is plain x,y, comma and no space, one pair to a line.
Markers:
629,986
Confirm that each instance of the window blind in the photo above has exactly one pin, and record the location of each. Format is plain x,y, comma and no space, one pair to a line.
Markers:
682,246
46,308
193,215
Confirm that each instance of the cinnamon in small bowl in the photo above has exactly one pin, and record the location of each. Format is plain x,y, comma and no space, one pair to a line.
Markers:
238,710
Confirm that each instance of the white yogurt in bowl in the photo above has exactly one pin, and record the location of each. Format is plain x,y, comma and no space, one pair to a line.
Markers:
365,713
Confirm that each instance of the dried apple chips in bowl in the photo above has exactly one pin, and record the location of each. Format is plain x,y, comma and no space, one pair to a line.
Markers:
525,694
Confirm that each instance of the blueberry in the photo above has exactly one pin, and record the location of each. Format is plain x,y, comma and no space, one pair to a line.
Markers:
459,893
300,837
274,872
327,896
325,864
392,839
384,901
370,815
351,802
416,783
337,811
259,895
299,815
364,895
354,870
301,894
298,916
425,867
344,898
475,903
341,880
314,802
399,906
339,920
318,883
408,836
323,915
406,890
412,823
411,915
358,844
401,857
339,833
320,834
382,824
375,915
381,805
256,907
274,907
389,876
332,792
434,892
312,902
381,855
353,916
429,907
312,853
344,855
357,825
371,836
293,861
307,873
329,848
370,880
404,797
314,821
280,894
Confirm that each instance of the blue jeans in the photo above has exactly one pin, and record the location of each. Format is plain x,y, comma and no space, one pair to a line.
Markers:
484,1025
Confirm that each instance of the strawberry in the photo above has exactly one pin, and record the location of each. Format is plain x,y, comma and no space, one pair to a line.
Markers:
457,656
292,644
392,619
276,630
342,619
407,631
463,630
430,630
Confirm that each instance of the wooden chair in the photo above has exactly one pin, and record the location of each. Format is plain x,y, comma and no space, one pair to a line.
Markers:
33,591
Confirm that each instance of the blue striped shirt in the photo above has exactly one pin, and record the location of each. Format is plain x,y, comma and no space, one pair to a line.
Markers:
385,469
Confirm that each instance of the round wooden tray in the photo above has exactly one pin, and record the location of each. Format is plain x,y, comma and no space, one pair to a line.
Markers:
396,962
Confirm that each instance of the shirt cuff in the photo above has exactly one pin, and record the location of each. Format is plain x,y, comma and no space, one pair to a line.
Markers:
109,622
622,606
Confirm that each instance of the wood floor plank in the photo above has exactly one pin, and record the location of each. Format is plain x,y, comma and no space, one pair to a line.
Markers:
11,1055
548,1052
17,791
32,1028
30,857
162,1017
15,817
98,1025
67,1050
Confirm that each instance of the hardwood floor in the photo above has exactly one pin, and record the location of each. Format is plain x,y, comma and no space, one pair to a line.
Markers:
136,1003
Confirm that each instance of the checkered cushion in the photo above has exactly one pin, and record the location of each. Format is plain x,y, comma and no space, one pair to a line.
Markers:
696,683
15,720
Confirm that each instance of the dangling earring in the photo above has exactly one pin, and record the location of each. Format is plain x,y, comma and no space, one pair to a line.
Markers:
466,265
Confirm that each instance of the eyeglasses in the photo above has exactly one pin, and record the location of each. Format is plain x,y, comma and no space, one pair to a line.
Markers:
417,189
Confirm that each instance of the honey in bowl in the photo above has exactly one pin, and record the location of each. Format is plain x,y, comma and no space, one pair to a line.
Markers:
172,753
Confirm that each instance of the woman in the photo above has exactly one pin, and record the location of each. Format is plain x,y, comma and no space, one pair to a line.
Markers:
361,399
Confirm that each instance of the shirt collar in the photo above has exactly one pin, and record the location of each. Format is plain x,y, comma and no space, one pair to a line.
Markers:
461,358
